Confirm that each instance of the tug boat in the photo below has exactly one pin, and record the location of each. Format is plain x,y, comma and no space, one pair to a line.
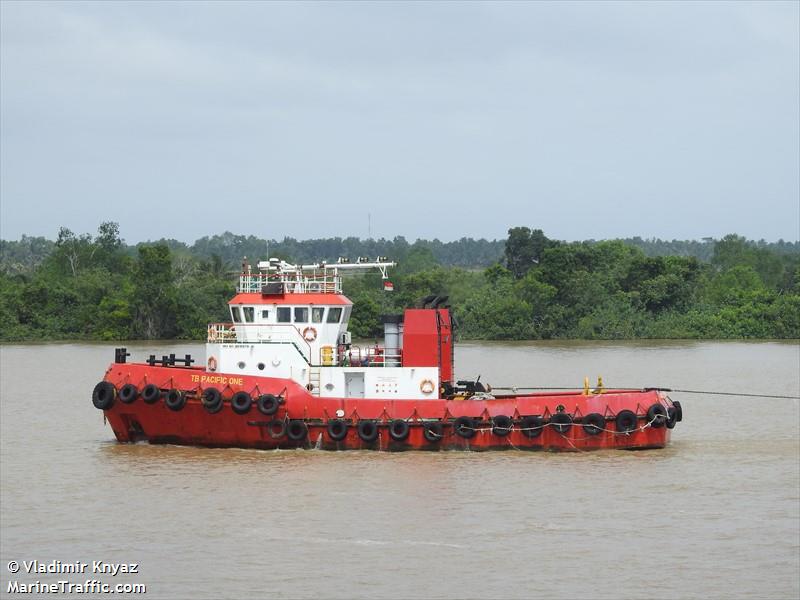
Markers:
285,373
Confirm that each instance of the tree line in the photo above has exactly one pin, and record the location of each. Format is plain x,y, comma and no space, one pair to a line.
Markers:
97,287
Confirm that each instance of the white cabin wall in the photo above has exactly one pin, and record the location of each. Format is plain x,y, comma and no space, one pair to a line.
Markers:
381,382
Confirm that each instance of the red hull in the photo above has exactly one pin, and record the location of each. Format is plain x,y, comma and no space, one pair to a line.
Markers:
194,425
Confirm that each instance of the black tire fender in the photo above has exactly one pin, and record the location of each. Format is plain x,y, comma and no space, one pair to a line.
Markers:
128,393
433,431
531,426
465,427
594,423
657,416
626,421
367,430
297,430
241,402
151,393
174,399
399,430
268,404
561,422
337,429
502,425
103,395
212,400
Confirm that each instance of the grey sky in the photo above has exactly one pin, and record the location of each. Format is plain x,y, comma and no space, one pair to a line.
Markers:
674,120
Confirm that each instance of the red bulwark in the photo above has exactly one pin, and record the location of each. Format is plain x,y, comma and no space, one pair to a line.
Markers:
292,299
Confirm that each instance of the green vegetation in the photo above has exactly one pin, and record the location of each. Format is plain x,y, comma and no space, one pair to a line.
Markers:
527,287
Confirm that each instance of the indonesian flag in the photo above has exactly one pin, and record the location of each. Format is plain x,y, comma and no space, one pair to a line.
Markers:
388,286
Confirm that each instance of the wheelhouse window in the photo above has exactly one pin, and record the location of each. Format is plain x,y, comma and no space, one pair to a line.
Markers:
265,314
249,314
334,314
317,314
301,314
237,316
284,314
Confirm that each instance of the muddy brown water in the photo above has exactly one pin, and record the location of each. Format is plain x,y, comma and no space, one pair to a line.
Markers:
714,515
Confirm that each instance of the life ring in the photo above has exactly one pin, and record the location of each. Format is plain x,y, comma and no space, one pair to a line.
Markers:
103,395
212,364
399,430
309,334
174,399
241,403
426,387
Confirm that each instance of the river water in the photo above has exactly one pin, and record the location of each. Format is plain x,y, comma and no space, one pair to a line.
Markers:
714,515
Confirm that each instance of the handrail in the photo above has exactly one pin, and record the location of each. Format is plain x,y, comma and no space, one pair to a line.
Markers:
229,332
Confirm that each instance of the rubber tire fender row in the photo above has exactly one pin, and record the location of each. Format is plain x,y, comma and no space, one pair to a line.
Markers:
531,426
399,430
561,422
241,402
433,432
337,429
367,430
502,425
465,427
151,393
657,416
174,399
626,421
593,423
297,430
212,400
103,395
268,404
128,393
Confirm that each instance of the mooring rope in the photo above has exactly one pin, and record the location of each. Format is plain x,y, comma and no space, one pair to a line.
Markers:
647,389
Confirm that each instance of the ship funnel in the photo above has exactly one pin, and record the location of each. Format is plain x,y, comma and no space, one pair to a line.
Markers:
391,339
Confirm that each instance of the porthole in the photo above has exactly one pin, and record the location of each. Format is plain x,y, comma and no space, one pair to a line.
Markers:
241,364
261,366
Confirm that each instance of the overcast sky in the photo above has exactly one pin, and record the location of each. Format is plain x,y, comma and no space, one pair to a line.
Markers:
587,120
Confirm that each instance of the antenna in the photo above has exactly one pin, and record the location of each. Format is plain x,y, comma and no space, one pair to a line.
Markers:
369,226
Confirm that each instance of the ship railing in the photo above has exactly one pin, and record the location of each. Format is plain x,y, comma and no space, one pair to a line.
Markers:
293,283
251,333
